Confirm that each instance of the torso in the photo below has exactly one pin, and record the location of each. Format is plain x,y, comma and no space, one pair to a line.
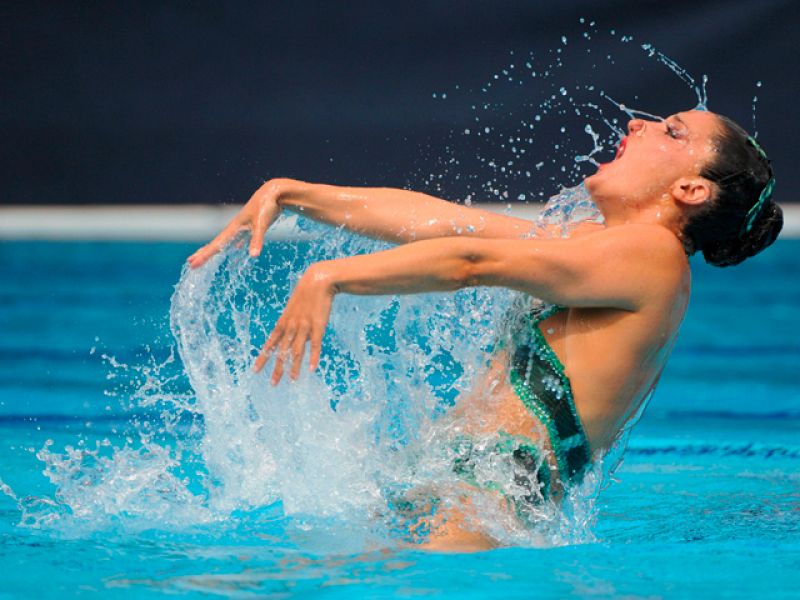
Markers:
612,357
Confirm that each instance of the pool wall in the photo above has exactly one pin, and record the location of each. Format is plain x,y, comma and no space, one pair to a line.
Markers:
189,222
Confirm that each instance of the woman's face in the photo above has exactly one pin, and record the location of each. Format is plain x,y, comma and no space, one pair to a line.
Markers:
652,157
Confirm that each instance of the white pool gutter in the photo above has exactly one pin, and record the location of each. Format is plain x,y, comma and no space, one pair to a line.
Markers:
194,223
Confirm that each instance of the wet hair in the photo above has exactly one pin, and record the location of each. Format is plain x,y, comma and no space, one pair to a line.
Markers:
742,218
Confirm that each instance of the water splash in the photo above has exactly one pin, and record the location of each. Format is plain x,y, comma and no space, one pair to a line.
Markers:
344,443
526,122
699,89
598,147
215,442
753,110
631,112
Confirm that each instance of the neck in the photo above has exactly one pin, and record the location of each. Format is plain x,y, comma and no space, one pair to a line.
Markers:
663,213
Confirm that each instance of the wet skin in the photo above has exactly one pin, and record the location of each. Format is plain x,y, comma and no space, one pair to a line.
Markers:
626,284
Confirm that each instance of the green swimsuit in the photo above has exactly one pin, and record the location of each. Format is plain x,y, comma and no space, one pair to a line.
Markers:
540,382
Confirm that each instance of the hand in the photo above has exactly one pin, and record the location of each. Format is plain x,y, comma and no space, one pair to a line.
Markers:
257,215
304,319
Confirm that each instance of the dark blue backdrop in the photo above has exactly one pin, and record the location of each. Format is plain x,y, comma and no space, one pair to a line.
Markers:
200,102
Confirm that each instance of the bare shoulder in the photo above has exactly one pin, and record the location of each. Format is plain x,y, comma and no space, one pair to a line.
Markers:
662,247
586,228
650,258
640,241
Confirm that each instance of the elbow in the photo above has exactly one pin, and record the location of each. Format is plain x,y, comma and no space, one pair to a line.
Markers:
470,270
461,264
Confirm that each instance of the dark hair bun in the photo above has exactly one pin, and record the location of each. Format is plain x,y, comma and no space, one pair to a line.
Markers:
729,252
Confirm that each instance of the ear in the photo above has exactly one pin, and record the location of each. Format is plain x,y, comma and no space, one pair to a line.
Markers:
693,191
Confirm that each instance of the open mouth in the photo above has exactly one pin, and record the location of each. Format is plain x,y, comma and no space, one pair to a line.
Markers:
623,143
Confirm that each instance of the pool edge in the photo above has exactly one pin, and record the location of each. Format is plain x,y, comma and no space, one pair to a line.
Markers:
193,222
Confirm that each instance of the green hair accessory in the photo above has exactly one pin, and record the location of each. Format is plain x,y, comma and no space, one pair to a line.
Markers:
752,141
763,198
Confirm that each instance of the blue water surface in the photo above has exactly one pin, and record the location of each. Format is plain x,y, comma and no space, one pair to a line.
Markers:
707,502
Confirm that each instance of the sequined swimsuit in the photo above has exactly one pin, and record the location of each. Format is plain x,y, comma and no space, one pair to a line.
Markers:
540,382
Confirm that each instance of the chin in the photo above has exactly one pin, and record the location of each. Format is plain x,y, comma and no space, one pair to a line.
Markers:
591,183
600,188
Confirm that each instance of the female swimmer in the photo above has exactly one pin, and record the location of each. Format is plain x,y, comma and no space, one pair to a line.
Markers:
619,290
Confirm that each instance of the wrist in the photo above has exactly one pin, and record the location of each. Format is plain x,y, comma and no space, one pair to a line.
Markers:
287,193
324,275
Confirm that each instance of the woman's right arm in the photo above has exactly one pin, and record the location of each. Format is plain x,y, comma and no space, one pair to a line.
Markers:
389,214
395,215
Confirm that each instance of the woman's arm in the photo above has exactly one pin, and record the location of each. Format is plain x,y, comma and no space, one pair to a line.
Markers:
384,213
623,267
395,215
610,268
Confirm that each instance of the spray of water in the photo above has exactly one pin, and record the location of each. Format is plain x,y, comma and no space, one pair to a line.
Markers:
349,442
371,430
699,89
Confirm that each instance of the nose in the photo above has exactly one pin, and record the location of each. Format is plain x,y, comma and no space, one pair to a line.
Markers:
636,126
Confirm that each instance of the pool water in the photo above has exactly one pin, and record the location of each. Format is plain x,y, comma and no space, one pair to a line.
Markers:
706,502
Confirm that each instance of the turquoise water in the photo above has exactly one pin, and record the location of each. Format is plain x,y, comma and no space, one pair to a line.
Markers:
707,499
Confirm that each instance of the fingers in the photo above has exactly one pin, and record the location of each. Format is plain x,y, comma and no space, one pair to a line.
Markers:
280,339
277,372
200,257
290,344
258,214
257,239
261,360
283,352
304,319
298,349
317,332
272,342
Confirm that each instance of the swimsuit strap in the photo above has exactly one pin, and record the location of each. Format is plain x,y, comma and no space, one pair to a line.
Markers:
540,381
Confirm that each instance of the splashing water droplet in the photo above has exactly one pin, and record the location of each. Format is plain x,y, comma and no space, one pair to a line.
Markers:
342,427
597,147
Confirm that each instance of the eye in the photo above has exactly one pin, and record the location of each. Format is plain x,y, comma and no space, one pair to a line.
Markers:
672,132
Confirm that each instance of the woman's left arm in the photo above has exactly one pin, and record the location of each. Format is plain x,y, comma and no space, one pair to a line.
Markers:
619,267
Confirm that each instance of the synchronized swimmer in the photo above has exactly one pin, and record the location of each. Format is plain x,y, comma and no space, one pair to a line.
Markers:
617,291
